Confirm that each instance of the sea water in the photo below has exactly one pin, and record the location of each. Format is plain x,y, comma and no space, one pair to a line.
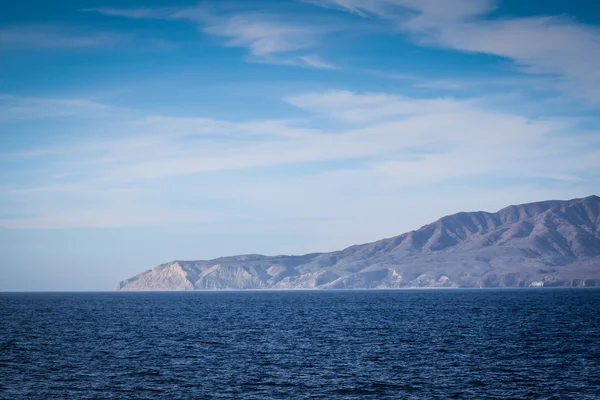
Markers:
407,344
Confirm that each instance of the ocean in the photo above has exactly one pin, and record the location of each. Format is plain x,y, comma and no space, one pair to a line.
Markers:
405,344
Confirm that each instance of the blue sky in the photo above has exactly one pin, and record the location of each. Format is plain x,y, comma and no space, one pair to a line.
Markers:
138,132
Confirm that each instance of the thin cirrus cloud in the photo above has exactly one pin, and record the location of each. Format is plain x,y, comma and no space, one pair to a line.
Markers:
347,106
29,108
389,143
556,45
269,38
57,37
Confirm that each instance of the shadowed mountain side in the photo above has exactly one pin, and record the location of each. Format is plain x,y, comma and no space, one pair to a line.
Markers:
549,243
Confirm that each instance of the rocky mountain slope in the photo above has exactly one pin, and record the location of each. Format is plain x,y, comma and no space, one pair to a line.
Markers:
549,243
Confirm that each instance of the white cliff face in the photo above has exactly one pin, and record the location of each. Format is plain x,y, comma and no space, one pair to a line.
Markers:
550,243
163,277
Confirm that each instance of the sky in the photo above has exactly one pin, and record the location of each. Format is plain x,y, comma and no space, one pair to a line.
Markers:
134,133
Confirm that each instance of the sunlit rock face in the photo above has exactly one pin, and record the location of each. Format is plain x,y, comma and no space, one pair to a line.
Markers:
544,244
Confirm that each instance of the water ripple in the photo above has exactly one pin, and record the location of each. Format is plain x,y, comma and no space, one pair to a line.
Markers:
493,344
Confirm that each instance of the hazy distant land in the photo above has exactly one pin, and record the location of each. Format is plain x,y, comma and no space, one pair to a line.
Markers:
548,243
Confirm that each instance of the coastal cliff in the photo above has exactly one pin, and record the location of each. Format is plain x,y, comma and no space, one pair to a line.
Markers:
548,243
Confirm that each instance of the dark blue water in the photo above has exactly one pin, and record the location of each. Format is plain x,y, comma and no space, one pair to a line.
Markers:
258,345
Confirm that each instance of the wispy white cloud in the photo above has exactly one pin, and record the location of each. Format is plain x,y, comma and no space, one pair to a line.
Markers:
270,38
388,143
315,61
56,37
444,84
134,13
391,75
133,217
307,61
538,45
264,34
194,126
393,9
16,107
347,106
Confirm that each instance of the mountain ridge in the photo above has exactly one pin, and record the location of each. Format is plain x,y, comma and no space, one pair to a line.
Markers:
547,243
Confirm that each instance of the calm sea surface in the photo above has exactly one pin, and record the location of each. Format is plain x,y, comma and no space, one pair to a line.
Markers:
462,344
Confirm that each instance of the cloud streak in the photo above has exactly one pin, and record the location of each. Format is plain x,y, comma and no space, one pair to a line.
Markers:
387,143
56,38
263,34
15,107
269,38
555,45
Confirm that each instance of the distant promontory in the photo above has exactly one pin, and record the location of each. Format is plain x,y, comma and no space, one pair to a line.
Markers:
548,243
